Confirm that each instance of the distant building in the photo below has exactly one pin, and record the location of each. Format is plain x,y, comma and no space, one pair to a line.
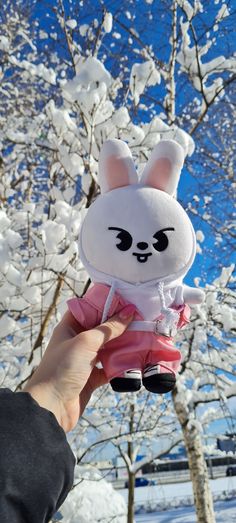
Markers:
115,469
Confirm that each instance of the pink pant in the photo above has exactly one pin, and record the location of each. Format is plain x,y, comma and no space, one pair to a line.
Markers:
133,350
136,350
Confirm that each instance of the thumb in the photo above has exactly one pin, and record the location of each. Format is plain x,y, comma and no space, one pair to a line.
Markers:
116,325
95,338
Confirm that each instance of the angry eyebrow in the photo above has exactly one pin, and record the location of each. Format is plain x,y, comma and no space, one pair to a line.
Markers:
116,229
167,229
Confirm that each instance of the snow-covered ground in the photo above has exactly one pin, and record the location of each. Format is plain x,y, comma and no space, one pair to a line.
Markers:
179,494
95,500
172,493
225,513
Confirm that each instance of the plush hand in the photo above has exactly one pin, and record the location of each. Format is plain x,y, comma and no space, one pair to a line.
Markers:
193,296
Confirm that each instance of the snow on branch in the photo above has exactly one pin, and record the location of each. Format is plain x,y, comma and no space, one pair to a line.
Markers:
201,72
47,74
142,76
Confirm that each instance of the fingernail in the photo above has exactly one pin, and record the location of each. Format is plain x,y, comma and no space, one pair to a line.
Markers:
127,312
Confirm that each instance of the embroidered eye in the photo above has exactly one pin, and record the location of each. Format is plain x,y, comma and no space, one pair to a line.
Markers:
162,240
124,237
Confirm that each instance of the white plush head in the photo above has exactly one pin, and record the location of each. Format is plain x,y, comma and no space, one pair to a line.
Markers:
136,231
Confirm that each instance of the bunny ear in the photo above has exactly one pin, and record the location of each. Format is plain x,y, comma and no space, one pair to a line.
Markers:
116,167
164,166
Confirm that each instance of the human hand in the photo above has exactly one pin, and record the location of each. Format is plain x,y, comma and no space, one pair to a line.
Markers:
66,377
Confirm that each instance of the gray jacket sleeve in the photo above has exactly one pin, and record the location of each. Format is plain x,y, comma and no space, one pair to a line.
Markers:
36,462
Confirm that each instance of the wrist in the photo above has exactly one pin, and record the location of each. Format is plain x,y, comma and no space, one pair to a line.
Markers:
46,397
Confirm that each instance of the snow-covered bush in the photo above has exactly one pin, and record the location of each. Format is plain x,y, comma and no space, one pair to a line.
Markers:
93,500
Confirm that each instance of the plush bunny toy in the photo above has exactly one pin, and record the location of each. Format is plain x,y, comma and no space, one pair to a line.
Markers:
137,243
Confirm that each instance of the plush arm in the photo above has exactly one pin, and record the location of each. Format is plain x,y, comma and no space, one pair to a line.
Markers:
189,295
192,295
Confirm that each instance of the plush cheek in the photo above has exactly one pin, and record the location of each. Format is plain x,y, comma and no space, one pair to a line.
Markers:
176,256
99,243
102,253
100,250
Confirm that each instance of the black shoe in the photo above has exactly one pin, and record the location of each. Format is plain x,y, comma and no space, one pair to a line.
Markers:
159,383
127,383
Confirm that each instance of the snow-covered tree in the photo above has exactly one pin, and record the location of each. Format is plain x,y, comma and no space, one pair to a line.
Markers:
132,424
68,81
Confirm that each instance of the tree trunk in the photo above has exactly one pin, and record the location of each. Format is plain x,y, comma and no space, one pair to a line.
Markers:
197,463
130,514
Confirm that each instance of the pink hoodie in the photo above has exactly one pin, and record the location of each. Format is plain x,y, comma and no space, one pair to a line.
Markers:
133,350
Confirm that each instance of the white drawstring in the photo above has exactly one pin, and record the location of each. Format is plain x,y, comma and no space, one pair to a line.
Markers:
108,301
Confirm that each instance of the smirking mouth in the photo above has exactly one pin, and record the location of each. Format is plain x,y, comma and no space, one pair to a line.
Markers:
142,258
